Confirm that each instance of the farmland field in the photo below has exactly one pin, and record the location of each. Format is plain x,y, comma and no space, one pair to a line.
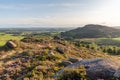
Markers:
103,41
5,37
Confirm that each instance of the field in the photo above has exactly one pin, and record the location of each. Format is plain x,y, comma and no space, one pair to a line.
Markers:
103,41
5,37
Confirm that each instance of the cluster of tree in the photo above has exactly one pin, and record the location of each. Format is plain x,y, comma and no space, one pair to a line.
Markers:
73,74
113,50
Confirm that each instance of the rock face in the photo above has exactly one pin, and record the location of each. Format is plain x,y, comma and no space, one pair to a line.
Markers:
10,44
97,68
117,74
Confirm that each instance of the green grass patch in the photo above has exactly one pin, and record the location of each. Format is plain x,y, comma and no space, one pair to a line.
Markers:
6,37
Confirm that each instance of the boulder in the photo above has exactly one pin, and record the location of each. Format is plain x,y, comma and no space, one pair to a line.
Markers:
60,50
66,63
11,44
98,68
73,60
117,74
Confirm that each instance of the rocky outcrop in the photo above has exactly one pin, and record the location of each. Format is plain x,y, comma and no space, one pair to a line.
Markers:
11,44
98,68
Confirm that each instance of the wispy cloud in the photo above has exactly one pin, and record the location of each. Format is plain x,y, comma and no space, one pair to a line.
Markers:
50,21
7,7
32,6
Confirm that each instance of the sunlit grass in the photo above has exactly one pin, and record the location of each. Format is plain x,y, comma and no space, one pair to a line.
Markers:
6,37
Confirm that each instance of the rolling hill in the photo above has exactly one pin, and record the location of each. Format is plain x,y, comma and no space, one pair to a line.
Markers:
92,31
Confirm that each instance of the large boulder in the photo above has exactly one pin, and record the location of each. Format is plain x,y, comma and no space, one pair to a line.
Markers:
98,68
117,74
11,44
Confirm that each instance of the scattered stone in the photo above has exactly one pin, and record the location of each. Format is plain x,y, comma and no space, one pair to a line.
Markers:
73,60
10,44
60,50
117,74
66,63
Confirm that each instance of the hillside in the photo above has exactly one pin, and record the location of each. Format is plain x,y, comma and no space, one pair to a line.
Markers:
34,57
91,31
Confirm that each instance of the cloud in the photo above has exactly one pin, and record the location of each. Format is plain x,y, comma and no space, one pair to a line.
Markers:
40,22
33,6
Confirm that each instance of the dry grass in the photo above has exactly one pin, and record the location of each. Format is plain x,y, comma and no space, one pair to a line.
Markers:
32,57
116,59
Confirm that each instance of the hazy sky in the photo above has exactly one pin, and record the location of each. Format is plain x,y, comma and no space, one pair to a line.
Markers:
58,13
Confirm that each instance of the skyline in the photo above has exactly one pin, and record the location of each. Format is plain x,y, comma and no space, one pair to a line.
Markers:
58,13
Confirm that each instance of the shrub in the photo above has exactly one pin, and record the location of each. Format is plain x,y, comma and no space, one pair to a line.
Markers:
73,74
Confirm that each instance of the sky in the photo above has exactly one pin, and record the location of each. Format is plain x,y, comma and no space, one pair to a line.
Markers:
58,13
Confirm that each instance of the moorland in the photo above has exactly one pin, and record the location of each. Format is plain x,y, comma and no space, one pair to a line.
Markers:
60,54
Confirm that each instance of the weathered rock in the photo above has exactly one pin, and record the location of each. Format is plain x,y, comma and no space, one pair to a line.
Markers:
117,74
66,63
51,53
10,44
73,60
60,50
97,68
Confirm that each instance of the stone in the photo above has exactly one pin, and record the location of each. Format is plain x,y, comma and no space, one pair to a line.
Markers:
60,50
66,63
51,53
10,44
117,74
73,60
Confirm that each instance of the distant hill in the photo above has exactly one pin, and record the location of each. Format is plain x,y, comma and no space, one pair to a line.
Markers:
117,27
91,31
